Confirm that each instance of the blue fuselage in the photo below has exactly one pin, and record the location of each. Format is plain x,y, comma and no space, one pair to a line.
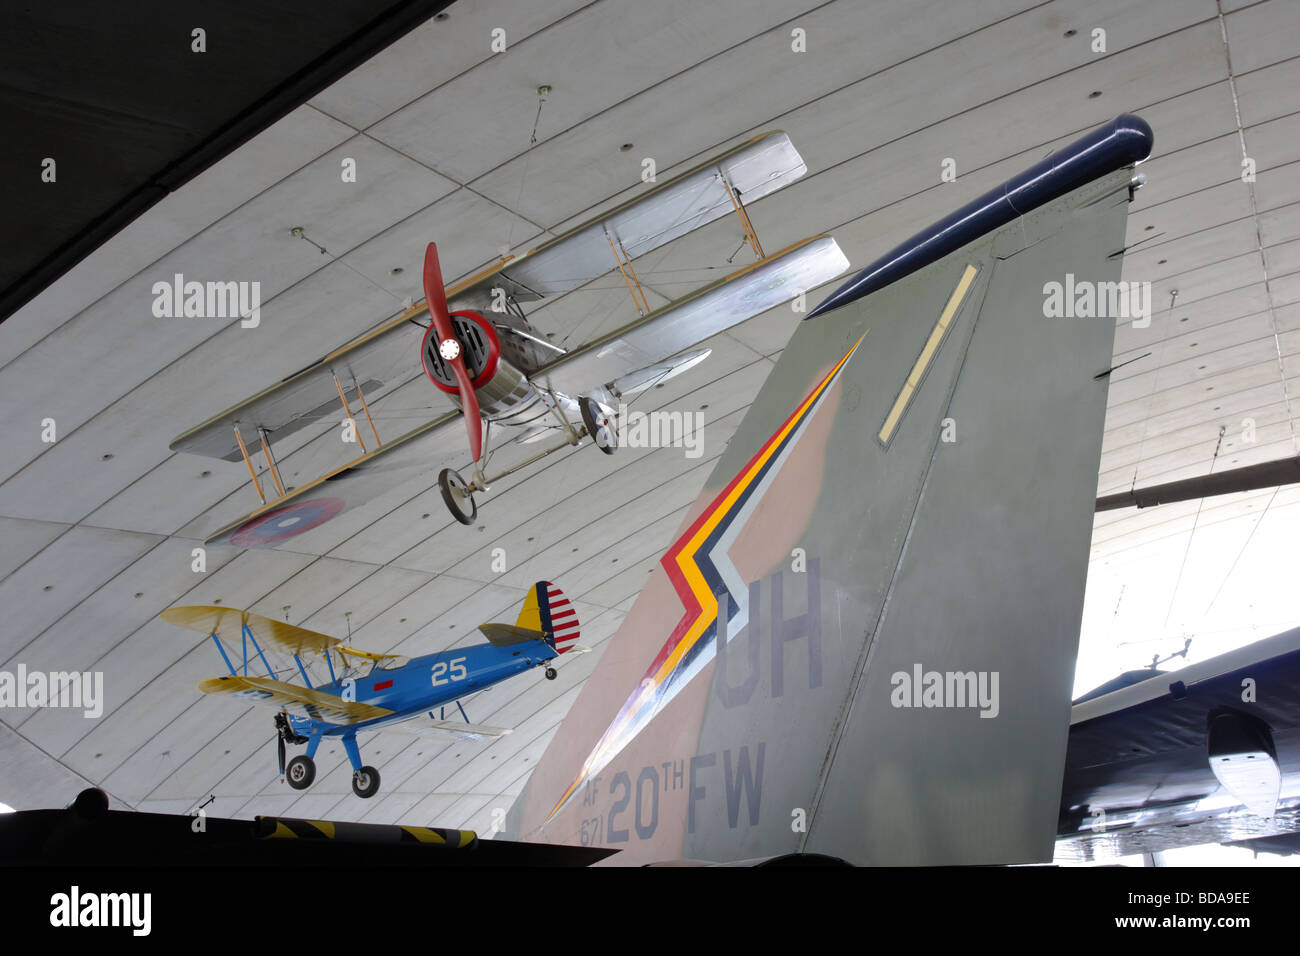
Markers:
426,683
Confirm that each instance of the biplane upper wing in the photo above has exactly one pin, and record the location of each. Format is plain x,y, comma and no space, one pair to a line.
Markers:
688,201
228,623
387,354
300,701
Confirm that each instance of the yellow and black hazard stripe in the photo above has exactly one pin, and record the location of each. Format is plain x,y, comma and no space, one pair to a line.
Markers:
281,828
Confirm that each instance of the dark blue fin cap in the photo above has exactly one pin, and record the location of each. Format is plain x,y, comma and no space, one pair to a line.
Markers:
1123,141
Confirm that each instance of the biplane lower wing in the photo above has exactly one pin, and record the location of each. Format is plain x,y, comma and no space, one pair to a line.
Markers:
659,372
713,309
299,701
421,450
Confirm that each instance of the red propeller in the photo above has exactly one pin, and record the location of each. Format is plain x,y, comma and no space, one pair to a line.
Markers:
451,349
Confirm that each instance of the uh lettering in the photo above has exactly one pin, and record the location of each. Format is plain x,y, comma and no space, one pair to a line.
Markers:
781,631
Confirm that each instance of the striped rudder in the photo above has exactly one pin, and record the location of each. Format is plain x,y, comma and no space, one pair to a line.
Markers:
546,609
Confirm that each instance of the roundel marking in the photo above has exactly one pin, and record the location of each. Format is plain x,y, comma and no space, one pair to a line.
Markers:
284,523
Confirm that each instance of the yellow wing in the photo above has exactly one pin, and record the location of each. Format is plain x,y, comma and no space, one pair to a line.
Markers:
227,624
312,704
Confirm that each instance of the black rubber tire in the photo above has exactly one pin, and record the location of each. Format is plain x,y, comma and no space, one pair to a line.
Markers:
365,782
300,772
550,673
453,485
595,422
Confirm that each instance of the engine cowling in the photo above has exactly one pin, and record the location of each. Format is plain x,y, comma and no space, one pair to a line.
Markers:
499,386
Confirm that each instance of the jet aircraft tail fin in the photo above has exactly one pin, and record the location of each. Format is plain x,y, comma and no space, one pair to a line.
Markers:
862,639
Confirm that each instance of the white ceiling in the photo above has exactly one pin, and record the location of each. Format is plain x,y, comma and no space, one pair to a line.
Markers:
98,528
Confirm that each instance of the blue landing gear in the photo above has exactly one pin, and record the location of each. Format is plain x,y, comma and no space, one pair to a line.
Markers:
365,780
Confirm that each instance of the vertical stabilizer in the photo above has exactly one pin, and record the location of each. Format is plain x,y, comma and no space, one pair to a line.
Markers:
862,640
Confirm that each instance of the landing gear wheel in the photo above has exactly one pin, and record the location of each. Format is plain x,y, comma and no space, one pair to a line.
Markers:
599,426
457,497
365,782
550,673
300,772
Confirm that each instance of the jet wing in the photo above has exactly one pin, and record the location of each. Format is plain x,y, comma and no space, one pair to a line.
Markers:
1139,769
300,701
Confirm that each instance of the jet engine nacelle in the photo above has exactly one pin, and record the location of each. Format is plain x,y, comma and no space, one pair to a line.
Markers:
500,386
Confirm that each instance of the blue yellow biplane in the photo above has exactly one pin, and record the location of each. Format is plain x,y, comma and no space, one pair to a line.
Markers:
370,691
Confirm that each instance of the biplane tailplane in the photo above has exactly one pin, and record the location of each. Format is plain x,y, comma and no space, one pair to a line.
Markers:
546,609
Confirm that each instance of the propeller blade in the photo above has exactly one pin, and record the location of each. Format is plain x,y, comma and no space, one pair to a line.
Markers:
469,404
279,738
435,295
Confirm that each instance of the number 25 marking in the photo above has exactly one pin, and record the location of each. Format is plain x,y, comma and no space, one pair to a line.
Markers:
458,671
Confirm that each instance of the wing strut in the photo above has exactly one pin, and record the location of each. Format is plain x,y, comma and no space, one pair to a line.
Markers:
743,215
624,262
252,472
356,387
270,460
347,410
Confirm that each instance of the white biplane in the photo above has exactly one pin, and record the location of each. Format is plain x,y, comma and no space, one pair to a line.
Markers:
500,370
